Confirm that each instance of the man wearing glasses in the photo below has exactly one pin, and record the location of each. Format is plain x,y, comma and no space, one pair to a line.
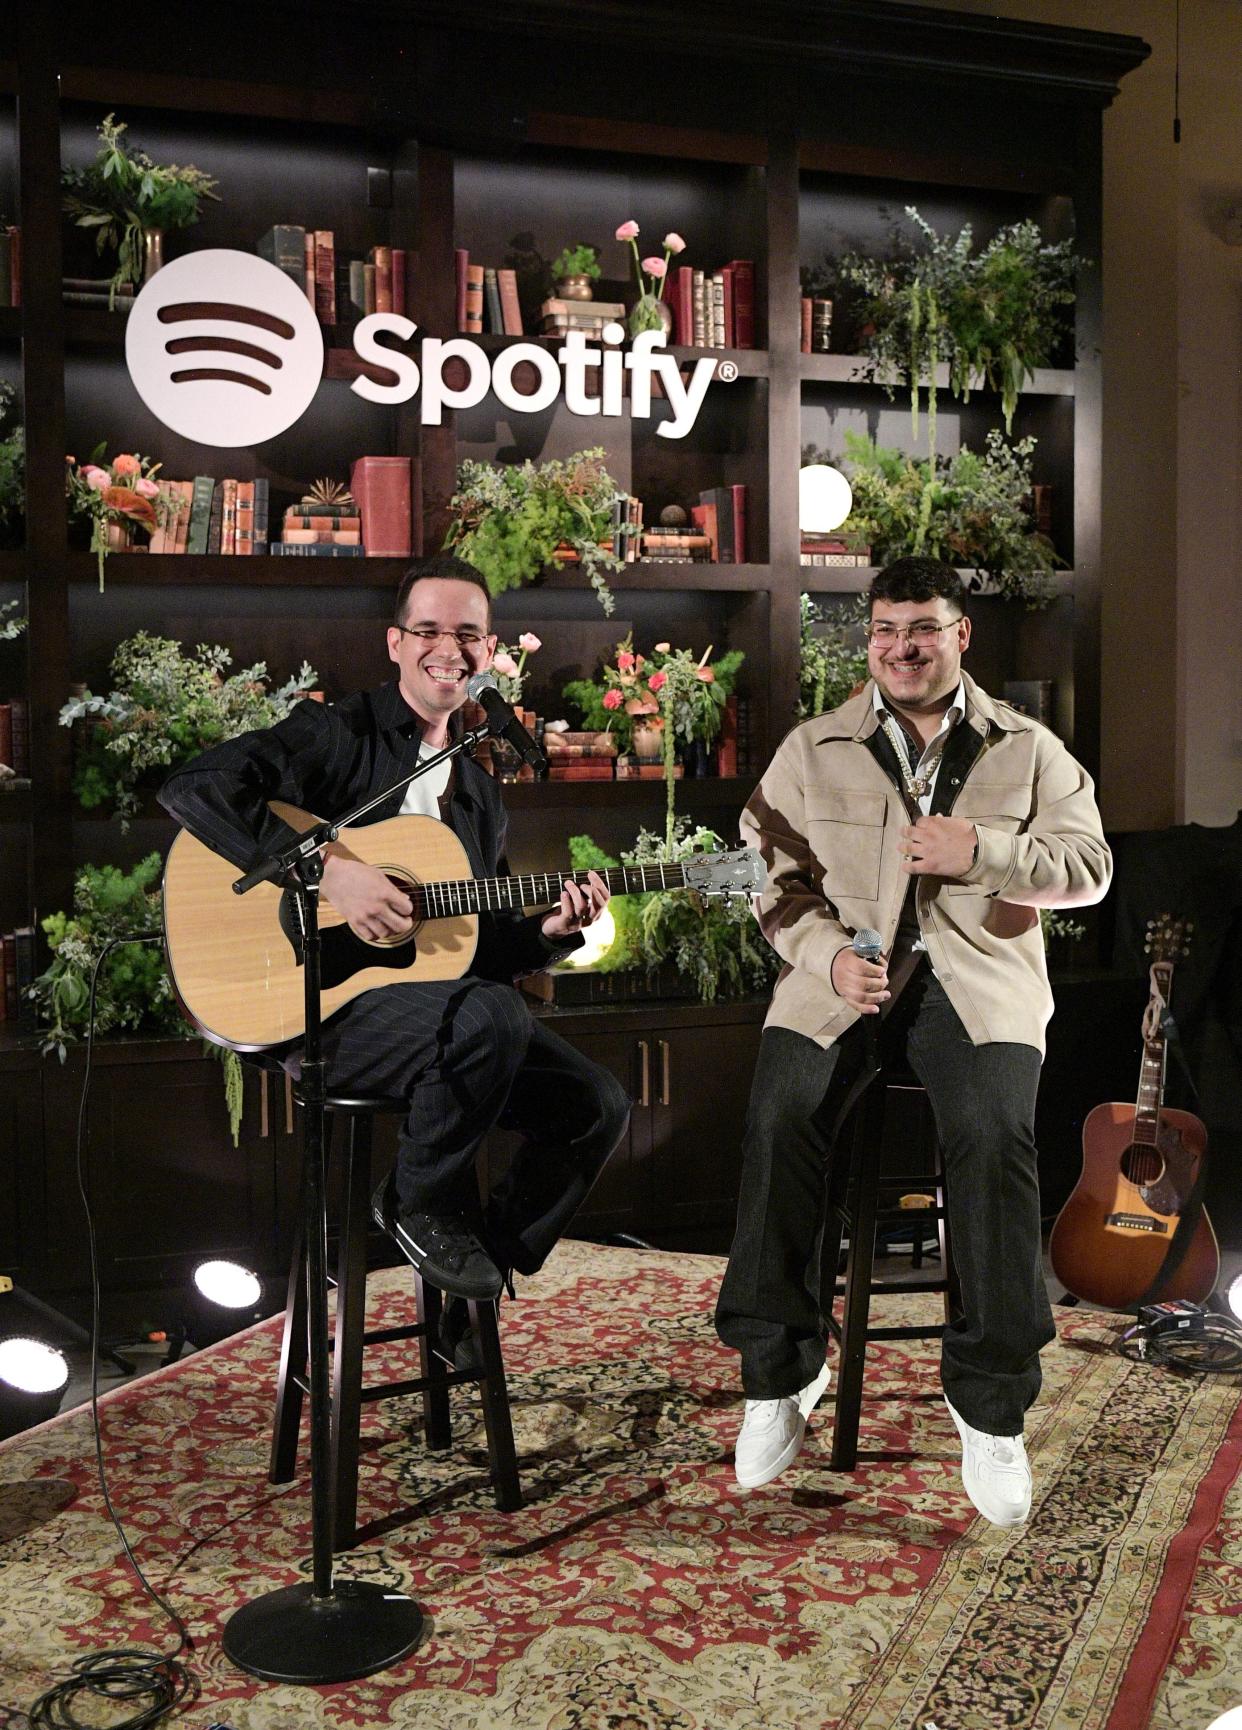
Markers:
465,1053
925,811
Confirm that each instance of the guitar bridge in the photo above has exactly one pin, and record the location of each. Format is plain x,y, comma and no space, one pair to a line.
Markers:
1135,1222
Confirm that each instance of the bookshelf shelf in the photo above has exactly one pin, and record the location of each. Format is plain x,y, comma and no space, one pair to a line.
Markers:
832,580
850,369
152,570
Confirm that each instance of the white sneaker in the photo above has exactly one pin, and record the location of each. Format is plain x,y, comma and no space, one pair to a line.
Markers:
995,1473
772,1433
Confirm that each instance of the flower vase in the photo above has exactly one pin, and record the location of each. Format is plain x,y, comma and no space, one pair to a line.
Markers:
651,313
575,288
153,252
648,739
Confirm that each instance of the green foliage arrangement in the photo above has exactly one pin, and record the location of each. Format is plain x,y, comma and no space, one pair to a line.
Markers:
995,315
510,521
580,260
716,948
122,194
134,993
11,627
166,705
12,466
971,511
828,667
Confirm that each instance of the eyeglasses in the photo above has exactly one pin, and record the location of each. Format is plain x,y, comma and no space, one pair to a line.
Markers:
465,639
924,632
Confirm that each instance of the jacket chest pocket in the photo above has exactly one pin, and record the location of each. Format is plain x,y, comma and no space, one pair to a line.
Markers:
846,834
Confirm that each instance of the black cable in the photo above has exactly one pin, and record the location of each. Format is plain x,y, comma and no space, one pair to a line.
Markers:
1214,1349
126,1673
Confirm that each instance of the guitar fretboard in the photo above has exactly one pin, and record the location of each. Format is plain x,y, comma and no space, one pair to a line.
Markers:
1151,1071
446,899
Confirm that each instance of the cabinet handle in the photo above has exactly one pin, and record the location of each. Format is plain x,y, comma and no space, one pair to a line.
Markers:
265,1127
644,1051
288,1104
666,1065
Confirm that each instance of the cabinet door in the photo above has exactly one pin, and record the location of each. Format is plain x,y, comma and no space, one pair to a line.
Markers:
699,1091
617,1202
167,1186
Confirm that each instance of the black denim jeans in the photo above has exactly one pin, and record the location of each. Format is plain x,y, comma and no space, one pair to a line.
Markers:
983,1100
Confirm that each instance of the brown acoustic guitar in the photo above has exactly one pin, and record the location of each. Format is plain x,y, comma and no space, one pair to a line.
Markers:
235,961
1140,1164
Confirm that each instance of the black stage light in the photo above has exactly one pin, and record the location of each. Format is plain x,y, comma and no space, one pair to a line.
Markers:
224,1298
33,1379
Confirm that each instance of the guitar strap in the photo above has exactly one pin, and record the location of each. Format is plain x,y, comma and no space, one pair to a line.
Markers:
1193,1205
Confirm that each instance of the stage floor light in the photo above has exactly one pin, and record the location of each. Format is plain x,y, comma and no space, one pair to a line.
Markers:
224,1298
1233,1297
33,1379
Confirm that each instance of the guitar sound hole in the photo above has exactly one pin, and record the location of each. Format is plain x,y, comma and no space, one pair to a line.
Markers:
1142,1166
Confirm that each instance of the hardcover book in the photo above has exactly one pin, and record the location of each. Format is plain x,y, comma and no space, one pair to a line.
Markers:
383,488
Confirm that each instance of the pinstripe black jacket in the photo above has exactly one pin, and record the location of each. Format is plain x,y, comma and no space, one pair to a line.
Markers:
327,759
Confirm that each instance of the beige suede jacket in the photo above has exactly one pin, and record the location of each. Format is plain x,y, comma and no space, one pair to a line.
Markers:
826,818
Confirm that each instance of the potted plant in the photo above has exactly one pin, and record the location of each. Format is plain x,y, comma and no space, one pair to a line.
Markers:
971,511
130,201
12,468
165,707
513,521
651,311
829,670
995,315
118,498
575,270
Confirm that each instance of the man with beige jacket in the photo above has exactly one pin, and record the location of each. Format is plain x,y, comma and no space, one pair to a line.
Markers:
923,810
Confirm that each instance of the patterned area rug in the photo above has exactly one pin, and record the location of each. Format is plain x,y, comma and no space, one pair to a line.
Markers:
638,1589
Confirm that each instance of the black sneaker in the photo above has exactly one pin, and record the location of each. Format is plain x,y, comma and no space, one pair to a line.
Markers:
442,1246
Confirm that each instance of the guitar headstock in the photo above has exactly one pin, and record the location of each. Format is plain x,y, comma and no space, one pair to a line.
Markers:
1168,939
738,873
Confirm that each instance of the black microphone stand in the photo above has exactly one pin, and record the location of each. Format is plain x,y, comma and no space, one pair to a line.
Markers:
325,1630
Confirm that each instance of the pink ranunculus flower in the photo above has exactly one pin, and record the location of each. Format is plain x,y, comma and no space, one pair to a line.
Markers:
612,699
147,488
530,642
657,681
625,660
661,649
706,674
126,465
627,231
654,266
504,663
674,243
96,478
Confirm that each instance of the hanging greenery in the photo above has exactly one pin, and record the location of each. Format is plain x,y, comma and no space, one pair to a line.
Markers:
828,666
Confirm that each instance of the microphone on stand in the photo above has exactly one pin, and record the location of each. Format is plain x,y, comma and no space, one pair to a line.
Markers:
867,943
502,723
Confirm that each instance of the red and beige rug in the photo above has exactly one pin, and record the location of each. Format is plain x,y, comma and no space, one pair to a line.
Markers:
638,1589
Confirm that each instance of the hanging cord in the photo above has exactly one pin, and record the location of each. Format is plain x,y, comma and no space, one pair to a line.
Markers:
158,1679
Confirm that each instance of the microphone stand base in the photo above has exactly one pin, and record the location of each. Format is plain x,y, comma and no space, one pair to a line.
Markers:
291,1636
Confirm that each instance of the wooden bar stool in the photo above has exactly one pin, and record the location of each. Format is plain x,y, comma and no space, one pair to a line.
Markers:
854,1207
435,1377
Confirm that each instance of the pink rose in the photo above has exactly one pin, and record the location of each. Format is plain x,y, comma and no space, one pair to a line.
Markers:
96,478
529,641
706,674
657,681
612,699
625,660
661,649
654,266
674,243
504,663
147,488
627,231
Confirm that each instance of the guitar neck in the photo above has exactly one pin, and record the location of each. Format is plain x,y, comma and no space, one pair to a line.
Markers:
449,899
1151,1070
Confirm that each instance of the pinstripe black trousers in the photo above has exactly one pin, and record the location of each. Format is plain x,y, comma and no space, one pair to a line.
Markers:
468,1055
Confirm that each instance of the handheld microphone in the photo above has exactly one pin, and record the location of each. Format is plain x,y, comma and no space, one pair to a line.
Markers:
502,722
869,944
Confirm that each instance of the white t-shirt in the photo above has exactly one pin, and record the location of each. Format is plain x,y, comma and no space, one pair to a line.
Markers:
422,797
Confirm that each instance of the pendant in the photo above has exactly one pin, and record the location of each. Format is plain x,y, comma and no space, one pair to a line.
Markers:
918,786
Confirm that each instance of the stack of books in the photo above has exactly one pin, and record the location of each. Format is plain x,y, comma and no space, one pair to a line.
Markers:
716,309
211,516
631,768
675,546
721,515
96,291
559,317
341,287
17,972
821,550
313,528
627,526
487,298
10,266
15,741
816,325
580,756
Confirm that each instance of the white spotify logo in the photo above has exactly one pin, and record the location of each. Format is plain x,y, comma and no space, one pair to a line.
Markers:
224,348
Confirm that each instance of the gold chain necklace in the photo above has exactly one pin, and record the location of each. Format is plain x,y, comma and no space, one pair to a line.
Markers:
916,784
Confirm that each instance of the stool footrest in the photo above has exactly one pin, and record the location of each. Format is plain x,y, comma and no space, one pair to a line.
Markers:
898,1288
418,1385
385,1336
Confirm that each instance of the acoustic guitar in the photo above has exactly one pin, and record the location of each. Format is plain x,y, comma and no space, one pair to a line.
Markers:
236,964
1140,1164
